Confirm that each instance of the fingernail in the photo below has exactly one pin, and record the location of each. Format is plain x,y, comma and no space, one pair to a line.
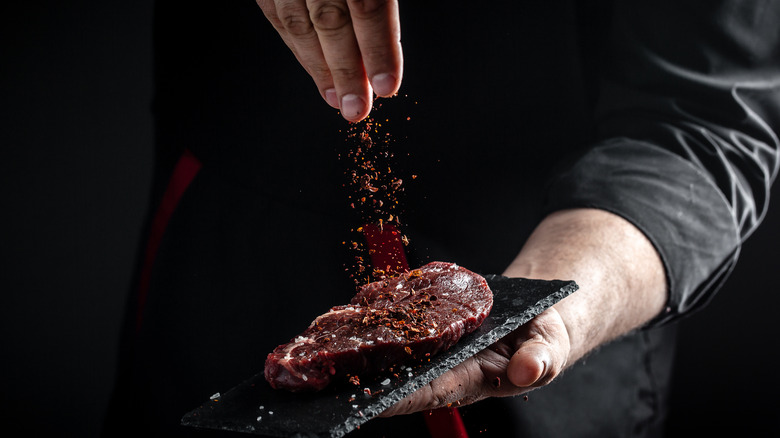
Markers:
332,98
544,360
544,370
352,106
383,84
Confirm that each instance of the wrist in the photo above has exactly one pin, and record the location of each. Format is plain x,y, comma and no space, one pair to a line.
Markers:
620,275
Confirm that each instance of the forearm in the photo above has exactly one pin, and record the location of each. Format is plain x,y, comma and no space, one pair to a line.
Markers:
621,277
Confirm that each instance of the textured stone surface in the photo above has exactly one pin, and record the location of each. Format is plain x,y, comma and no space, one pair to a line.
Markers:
254,407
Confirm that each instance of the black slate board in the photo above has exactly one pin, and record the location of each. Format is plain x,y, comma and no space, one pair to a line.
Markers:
254,407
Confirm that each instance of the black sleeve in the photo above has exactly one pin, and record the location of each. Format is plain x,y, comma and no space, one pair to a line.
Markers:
688,119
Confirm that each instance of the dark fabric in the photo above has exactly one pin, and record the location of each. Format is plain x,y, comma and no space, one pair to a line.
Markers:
221,297
688,120
666,115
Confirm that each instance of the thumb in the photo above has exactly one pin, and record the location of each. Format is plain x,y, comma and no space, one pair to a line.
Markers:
543,354
531,365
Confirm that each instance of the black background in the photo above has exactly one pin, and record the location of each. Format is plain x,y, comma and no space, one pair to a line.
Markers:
77,145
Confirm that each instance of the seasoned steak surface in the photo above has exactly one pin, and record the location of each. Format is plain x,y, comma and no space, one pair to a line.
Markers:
390,322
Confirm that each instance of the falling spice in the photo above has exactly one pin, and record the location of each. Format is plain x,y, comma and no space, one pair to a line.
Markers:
374,192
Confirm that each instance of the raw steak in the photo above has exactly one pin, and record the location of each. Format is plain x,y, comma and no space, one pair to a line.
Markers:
400,320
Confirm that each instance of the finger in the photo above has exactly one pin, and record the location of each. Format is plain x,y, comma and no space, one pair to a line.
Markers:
529,365
269,10
378,32
542,356
471,381
333,24
447,389
291,20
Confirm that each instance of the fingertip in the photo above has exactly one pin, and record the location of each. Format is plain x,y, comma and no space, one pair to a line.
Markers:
384,84
354,108
331,97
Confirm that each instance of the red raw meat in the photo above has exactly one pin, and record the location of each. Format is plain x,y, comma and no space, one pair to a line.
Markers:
390,322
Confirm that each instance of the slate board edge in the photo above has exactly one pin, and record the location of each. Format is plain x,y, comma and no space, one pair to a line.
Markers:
494,335
192,418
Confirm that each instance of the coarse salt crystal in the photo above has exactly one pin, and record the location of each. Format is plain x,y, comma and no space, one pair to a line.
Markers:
214,396
386,382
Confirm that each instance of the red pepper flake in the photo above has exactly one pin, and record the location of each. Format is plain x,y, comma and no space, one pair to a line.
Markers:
355,380
374,185
408,350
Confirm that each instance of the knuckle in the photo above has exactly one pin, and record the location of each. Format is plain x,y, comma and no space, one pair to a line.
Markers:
439,398
294,19
328,15
269,10
376,53
318,70
368,8
347,74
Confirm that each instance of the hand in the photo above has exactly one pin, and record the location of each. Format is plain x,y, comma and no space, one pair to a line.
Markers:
349,47
530,357
622,285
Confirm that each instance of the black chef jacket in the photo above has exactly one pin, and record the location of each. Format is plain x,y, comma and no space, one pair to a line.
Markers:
665,113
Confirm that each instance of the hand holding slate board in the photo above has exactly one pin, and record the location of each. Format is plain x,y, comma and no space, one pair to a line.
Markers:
254,407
